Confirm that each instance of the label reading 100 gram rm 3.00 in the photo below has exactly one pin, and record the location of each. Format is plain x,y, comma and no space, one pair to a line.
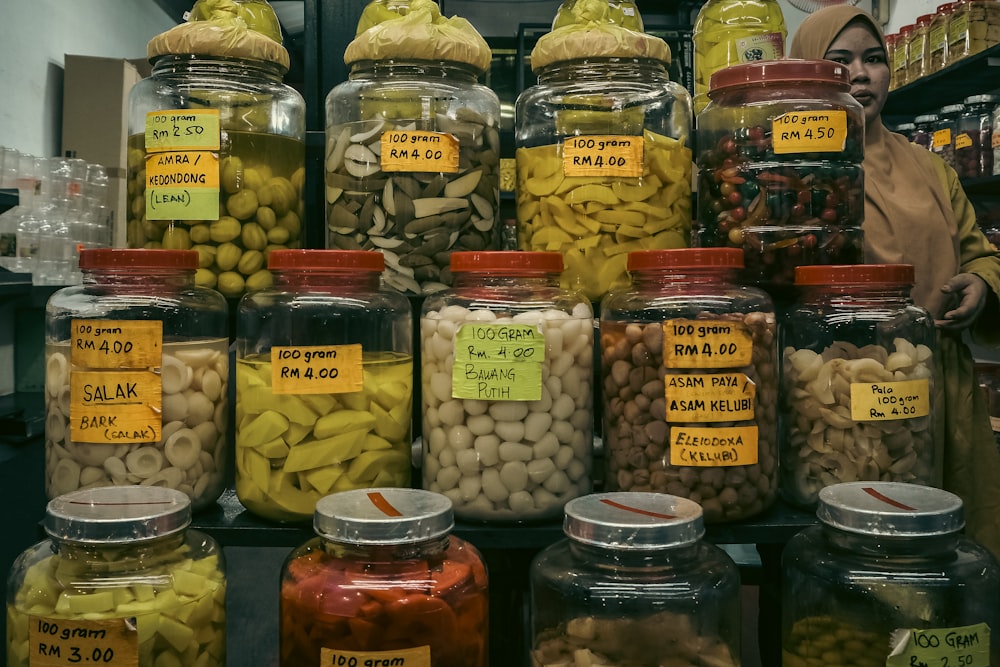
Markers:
809,132
498,362
60,642
603,155
317,369
419,656
416,150
182,164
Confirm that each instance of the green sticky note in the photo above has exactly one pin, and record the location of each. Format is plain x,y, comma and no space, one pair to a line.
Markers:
183,129
966,646
498,362
499,342
182,203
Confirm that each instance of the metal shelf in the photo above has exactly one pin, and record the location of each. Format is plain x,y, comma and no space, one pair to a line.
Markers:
979,73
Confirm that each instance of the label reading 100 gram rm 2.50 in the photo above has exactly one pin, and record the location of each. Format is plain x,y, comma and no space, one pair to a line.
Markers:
182,164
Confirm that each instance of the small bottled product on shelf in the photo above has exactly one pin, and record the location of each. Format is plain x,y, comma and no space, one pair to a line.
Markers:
974,137
945,131
937,34
901,57
923,132
918,50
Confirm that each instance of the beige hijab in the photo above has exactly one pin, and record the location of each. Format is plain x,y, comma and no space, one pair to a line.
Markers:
908,215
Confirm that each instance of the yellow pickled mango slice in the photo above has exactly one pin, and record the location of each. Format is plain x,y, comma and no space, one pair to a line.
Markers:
93,603
356,400
256,467
201,611
390,478
255,399
540,187
589,224
186,582
318,453
295,409
290,498
321,404
175,633
143,592
345,483
374,442
295,434
343,420
390,394
402,413
387,426
263,428
527,210
273,449
207,567
550,236
247,377
586,193
635,193
647,210
621,217
541,167
122,596
322,479
367,465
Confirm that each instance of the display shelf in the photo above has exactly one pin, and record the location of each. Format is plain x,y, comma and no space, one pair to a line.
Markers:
14,284
979,73
984,185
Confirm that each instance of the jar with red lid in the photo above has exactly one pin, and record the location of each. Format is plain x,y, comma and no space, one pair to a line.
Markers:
937,34
507,385
858,382
918,51
384,583
690,383
324,383
780,151
901,57
136,377
974,137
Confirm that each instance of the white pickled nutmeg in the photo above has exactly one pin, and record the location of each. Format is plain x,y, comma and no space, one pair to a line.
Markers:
175,375
144,462
56,373
170,477
183,449
65,477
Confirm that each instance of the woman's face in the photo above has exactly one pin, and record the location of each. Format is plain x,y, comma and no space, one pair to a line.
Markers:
857,48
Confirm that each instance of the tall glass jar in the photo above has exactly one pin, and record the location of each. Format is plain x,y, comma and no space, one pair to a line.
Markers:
858,386
890,57
507,387
887,578
120,580
901,56
384,583
945,131
413,167
918,51
690,382
733,32
216,163
923,133
136,377
938,36
974,137
634,584
780,176
603,166
324,383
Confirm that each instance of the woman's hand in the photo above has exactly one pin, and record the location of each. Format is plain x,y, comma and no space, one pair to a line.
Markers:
970,292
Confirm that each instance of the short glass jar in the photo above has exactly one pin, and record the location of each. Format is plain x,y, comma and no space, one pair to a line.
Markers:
507,386
923,134
384,583
859,379
413,167
120,580
887,578
974,137
324,383
137,376
216,163
937,33
690,383
633,583
603,166
780,152
945,131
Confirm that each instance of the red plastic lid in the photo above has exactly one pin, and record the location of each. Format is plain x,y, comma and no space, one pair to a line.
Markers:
511,261
855,274
137,258
361,260
946,8
779,71
906,29
924,19
685,258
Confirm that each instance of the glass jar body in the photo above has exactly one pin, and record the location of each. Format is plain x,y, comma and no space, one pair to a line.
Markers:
969,28
974,138
859,390
681,605
918,59
427,600
945,133
866,589
937,34
247,156
923,134
901,56
324,391
507,442
784,206
657,421
173,587
603,166
93,335
413,167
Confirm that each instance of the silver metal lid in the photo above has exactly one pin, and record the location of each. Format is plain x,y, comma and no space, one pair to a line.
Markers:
117,514
981,99
890,509
625,520
951,109
383,516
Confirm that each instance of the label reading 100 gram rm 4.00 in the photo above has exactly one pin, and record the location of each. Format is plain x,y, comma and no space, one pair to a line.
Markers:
317,369
603,155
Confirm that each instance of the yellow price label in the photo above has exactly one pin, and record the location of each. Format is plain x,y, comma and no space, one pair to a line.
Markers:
704,397
706,344
964,646
183,130
418,656
941,138
182,185
963,141
709,447
415,150
809,132
60,642
317,369
115,407
888,401
603,155
116,343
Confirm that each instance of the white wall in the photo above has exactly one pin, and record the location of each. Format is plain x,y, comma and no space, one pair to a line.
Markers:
35,35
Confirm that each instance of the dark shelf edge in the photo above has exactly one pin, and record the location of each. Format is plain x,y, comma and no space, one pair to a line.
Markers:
971,75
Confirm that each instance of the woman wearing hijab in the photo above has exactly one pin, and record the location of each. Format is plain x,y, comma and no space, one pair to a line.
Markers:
917,213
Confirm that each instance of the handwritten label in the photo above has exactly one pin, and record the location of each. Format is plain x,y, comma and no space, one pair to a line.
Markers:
117,343
419,656
887,401
62,642
415,150
965,646
709,447
498,362
941,138
317,369
995,139
810,132
183,130
697,397
963,141
706,344
182,185
603,155
114,407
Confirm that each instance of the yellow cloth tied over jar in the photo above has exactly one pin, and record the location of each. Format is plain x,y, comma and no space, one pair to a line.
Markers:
417,32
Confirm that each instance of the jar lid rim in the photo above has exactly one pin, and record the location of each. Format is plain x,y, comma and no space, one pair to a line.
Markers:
633,520
854,274
508,261
891,509
137,258
304,259
383,516
780,71
685,258
116,514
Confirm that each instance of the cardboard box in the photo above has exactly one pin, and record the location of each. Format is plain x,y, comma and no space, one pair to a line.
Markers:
95,121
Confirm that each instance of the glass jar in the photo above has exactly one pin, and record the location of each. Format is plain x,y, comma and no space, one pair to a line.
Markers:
216,163
901,57
923,134
887,578
780,152
507,384
945,130
413,167
732,32
937,34
603,166
918,51
384,583
907,130
324,383
633,583
995,140
858,386
690,383
136,376
120,580
974,138
890,57
621,12
972,28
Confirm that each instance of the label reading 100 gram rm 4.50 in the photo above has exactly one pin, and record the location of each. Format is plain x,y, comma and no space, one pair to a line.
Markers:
809,132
